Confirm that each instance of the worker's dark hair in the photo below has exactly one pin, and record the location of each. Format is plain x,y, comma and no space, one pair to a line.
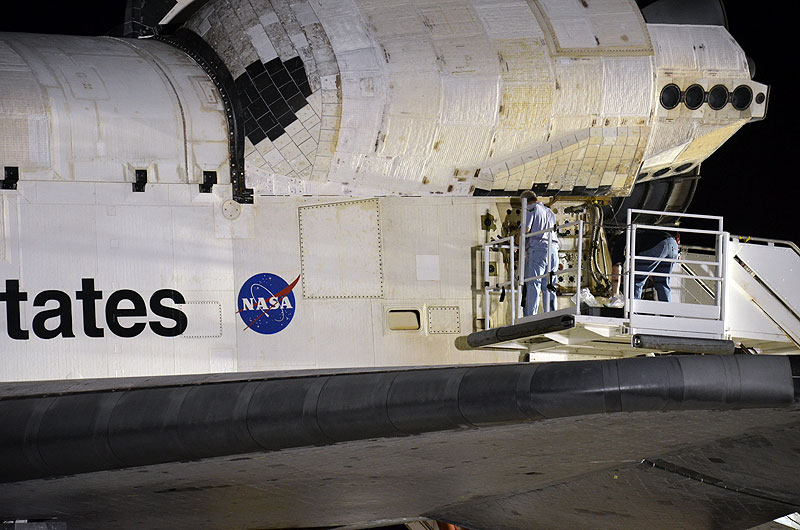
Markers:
530,195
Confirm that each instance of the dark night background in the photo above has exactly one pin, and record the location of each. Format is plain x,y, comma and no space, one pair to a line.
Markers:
749,180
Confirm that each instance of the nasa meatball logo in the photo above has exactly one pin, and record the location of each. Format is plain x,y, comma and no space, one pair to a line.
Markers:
266,303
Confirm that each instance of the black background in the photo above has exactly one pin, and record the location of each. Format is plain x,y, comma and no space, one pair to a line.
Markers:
750,180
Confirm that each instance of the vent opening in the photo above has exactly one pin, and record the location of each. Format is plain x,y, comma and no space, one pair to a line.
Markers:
403,319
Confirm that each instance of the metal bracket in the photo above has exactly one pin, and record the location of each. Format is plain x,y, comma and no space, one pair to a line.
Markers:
209,179
141,181
11,177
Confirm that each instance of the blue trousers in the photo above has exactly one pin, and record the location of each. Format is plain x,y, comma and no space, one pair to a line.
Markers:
667,248
535,264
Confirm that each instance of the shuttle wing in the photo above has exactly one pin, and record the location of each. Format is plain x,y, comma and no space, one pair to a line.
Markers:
669,442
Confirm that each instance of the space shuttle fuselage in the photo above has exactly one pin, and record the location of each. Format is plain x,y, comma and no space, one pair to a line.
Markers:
363,98
204,168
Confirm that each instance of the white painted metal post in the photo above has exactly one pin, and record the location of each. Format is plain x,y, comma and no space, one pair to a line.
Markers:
513,286
580,266
723,273
628,260
522,248
546,284
632,270
486,287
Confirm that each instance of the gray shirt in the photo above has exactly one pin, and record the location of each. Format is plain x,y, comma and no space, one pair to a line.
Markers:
540,217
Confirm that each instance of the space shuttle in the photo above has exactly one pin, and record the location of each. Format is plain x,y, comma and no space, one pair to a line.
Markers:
260,272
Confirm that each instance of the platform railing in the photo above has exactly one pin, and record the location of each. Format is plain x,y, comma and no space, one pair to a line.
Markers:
517,278
488,289
677,317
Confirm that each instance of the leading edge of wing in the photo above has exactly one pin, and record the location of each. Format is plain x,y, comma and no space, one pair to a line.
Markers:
173,419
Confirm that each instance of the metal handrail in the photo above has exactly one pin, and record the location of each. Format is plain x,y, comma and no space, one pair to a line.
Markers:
487,288
702,285
680,260
679,214
679,229
748,239
719,251
517,267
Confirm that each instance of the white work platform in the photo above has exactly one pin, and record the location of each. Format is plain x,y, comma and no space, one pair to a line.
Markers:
593,335
742,293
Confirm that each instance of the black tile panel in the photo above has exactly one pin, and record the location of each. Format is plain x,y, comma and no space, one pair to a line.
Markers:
271,94
294,64
255,68
261,81
297,102
274,133
252,92
305,89
249,125
267,122
280,77
274,65
279,107
287,119
258,108
256,135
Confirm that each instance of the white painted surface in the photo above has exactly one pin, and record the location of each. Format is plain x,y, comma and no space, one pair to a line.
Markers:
778,267
96,109
428,267
416,98
166,240
341,254
765,298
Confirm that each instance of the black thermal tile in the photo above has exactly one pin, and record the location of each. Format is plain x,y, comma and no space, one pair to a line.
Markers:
289,90
305,89
256,136
274,65
257,108
297,102
293,64
274,133
267,121
299,75
252,92
579,190
249,125
603,190
242,81
263,82
255,68
270,93
280,77
287,119
278,107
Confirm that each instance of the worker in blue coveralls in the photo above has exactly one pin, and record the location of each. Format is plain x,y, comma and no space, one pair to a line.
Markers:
539,217
656,244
